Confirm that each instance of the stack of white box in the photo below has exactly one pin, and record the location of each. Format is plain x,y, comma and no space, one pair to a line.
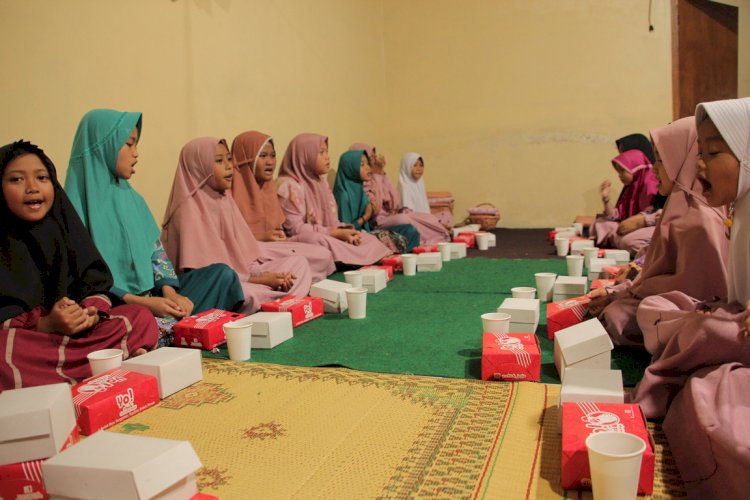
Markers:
524,314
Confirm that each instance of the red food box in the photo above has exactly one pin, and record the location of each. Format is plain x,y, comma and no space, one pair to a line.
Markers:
511,356
203,496
24,480
426,249
612,271
395,262
204,330
579,420
388,271
468,238
601,284
303,309
565,313
107,399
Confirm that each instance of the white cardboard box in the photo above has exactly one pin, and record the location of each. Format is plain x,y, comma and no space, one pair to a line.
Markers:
592,385
620,256
491,239
521,311
174,367
35,422
270,328
429,262
458,250
374,279
333,294
565,232
123,466
570,285
585,345
471,228
578,245
596,265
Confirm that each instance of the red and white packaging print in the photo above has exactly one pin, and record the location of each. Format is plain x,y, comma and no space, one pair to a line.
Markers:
426,249
303,309
468,238
601,284
388,271
511,357
204,330
107,399
579,420
395,262
565,313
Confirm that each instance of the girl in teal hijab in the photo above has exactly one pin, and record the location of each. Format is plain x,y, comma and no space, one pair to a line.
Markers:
355,208
103,158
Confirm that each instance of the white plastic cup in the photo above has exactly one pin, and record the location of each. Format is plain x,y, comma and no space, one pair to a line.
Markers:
575,265
496,322
357,298
523,292
615,464
483,241
588,254
239,335
410,263
545,282
445,251
354,278
562,245
579,228
103,360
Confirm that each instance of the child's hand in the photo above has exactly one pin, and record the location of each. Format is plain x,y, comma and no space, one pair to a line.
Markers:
160,306
277,235
346,234
369,212
184,304
68,318
604,189
599,300
281,282
630,224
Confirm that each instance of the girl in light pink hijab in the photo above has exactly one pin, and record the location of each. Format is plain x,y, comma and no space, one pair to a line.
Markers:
254,192
388,211
203,226
689,247
310,209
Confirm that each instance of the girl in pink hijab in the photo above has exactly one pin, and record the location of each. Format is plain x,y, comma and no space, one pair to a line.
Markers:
386,202
310,209
689,247
202,226
254,192
637,197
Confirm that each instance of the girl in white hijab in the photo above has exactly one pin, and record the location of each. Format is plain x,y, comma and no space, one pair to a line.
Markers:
411,183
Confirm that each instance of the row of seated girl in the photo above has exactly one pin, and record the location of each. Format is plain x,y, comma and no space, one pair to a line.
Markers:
88,268
688,306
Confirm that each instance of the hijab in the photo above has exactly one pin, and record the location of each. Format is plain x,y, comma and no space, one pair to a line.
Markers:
689,246
385,195
413,193
348,189
299,164
636,141
639,194
47,260
203,226
259,205
732,119
116,216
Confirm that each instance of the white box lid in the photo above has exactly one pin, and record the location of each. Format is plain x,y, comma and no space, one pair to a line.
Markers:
596,265
581,341
618,255
568,285
430,258
262,321
329,289
374,276
521,310
174,367
592,385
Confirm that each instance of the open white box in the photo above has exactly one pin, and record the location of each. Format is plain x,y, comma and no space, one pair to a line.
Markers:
596,265
35,422
585,345
333,294
524,314
570,285
620,256
123,466
470,228
429,262
458,250
374,279
174,367
270,329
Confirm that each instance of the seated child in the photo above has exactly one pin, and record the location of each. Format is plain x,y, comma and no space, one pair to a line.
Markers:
203,225
411,183
310,209
254,192
54,305
103,159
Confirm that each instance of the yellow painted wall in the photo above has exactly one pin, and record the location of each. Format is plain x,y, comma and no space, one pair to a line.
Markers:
514,102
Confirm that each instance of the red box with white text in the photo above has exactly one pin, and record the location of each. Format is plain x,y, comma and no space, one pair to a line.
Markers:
395,262
204,330
565,313
426,249
303,309
468,238
511,357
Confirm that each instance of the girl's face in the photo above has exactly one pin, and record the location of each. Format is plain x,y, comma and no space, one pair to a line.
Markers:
265,164
718,168
417,171
624,174
665,185
222,168
27,188
128,156
323,161
365,173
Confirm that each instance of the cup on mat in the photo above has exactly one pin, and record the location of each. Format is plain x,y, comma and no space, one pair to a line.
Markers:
239,335
615,463
575,265
354,278
104,359
483,241
496,322
523,292
544,284
409,261
357,298
562,245
588,254
445,251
